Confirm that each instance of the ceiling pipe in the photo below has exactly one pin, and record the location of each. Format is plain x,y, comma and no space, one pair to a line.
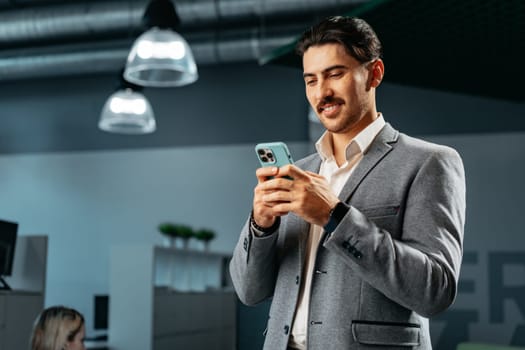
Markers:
46,34
242,48
46,24
69,20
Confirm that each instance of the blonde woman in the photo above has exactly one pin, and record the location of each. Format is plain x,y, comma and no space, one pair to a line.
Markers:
58,328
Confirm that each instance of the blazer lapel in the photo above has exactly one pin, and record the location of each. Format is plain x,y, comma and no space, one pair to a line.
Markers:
377,150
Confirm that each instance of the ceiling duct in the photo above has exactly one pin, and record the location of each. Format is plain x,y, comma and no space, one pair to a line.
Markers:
88,59
94,37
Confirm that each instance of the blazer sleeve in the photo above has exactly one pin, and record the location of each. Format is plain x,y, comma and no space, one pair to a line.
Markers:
253,267
420,268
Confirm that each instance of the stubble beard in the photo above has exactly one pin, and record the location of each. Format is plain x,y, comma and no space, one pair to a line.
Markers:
341,124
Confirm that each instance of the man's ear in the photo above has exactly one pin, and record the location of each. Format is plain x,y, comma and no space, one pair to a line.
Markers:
376,73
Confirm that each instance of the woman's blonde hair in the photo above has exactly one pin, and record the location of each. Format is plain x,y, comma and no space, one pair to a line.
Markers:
54,327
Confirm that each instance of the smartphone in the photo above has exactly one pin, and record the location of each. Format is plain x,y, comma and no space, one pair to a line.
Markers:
273,154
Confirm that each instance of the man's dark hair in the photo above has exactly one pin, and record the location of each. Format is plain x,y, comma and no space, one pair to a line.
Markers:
356,36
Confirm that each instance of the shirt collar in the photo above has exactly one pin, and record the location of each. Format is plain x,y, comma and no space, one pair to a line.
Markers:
362,141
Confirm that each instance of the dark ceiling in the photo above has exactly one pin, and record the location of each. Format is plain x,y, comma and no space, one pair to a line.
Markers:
472,47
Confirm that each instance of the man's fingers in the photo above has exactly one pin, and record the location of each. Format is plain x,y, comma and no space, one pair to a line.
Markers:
292,171
266,172
277,196
281,209
314,175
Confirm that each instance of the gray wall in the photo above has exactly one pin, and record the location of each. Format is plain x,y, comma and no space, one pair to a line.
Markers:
229,104
91,198
491,303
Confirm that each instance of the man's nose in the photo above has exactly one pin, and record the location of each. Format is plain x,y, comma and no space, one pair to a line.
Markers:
324,90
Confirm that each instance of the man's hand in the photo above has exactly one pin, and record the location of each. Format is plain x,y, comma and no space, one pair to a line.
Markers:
308,195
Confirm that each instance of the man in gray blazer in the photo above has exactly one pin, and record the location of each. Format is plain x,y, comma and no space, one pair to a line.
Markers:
364,242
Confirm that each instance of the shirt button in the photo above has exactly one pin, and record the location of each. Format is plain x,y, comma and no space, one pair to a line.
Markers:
286,329
296,279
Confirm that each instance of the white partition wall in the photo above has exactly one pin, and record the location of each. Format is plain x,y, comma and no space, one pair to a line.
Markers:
167,298
130,298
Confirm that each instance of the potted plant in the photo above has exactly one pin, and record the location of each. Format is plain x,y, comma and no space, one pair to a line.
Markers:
205,235
185,232
169,230
174,231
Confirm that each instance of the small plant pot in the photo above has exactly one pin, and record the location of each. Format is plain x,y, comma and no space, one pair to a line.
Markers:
169,241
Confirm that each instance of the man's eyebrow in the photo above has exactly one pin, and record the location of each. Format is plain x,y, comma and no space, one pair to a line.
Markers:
326,70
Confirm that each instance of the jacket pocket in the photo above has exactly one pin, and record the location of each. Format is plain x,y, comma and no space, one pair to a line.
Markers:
386,217
386,333
378,212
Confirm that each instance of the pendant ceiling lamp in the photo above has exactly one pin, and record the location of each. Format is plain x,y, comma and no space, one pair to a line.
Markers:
127,111
160,57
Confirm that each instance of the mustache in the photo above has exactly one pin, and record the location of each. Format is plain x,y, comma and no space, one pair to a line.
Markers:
329,100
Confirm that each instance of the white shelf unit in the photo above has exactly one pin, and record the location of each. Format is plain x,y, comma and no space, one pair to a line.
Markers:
167,298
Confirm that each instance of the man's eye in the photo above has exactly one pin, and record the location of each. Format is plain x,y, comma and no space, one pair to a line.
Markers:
336,75
310,82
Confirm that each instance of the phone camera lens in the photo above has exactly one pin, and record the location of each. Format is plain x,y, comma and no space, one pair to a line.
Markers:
264,159
261,152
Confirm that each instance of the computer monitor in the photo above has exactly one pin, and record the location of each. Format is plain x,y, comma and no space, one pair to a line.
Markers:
8,233
100,319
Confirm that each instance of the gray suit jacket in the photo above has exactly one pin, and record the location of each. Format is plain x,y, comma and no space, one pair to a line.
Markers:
392,262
